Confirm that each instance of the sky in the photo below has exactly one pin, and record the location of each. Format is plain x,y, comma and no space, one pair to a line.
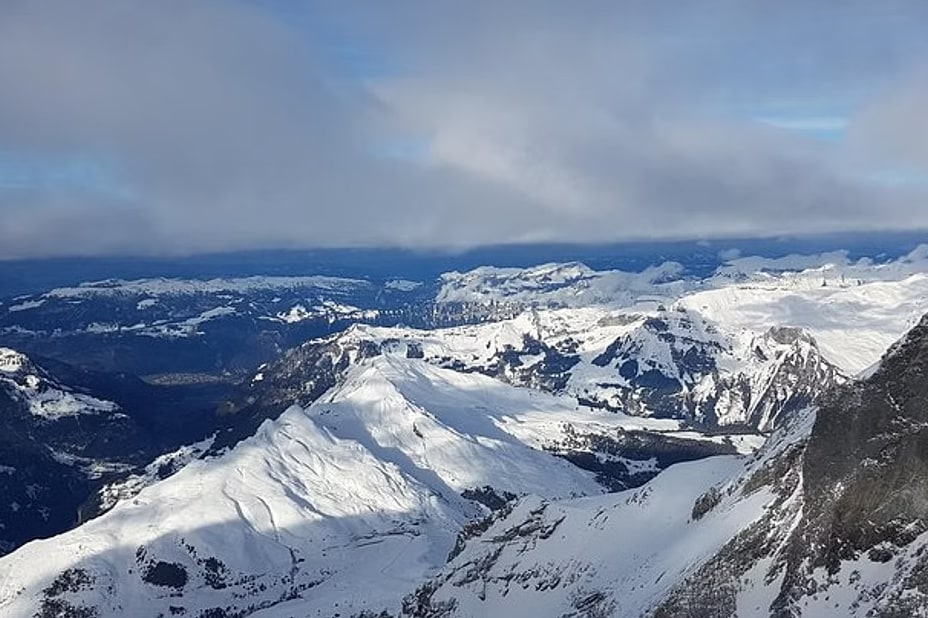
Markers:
184,126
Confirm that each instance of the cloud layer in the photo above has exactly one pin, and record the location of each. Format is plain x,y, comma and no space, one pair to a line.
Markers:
211,125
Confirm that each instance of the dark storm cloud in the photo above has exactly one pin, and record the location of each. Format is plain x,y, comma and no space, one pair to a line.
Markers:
235,125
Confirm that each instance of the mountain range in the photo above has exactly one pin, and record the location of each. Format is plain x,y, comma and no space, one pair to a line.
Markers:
547,441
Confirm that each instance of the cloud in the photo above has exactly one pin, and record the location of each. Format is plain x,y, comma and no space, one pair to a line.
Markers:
226,125
892,130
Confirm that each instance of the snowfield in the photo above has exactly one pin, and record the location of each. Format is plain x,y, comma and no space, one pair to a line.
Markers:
854,309
853,321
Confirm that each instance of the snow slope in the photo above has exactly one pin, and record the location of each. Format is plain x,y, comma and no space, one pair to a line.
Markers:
356,498
617,555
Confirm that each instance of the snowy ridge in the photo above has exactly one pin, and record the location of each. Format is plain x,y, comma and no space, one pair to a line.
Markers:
363,486
655,363
186,287
568,285
853,309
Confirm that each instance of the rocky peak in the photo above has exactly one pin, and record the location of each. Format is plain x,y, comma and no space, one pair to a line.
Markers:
866,471
848,535
789,335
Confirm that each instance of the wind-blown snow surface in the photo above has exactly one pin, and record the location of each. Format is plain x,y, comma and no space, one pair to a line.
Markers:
357,497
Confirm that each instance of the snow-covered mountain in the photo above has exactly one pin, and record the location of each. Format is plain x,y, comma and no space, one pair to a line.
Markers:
829,518
66,432
351,507
659,363
575,285
560,285
214,329
334,508
41,394
622,456
399,468
219,328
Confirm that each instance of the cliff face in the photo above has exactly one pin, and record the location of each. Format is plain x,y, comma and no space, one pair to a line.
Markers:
866,471
852,538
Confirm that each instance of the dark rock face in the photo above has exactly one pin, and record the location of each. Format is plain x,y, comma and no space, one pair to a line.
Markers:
550,374
489,497
630,459
863,473
712,590
872,443
866,478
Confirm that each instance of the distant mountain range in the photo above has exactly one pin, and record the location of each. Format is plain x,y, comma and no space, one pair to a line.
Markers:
553,440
